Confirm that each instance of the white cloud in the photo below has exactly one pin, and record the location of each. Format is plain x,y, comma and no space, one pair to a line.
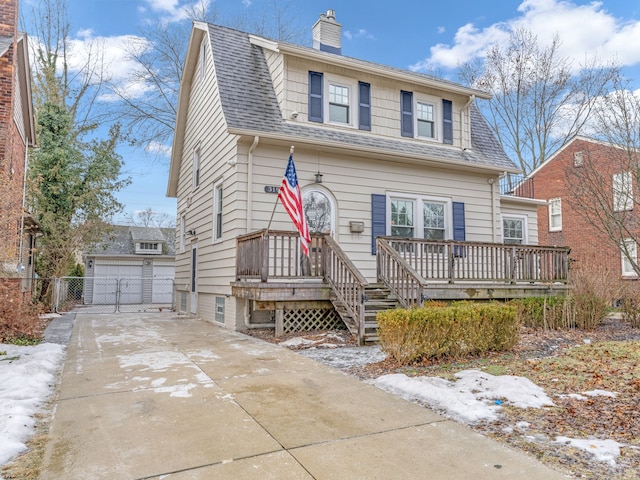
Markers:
159,149
583,30
175,10
360,33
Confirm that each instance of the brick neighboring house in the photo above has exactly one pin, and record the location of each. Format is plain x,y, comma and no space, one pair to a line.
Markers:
17,134
561,223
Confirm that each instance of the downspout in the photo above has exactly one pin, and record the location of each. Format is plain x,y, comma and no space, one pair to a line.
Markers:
463,123
256,139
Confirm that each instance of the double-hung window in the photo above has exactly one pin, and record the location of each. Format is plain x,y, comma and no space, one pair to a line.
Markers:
339,104
514,230
196,168
217,210
434,220
555,214
629,254
622,192
426,120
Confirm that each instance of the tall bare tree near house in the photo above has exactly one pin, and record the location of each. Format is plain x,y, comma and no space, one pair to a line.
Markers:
604,189
149,97
150,218
73,173
540,99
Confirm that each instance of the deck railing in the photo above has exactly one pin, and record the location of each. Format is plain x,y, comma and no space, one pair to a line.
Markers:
482,262
346,281
401,278
277,254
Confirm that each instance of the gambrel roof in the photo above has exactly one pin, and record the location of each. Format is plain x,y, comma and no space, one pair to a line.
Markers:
251,107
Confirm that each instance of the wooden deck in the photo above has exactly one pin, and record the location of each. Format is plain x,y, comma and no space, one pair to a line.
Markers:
271,268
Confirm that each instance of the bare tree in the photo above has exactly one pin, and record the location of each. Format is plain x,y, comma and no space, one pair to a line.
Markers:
150,218
159,54
539,99
602,188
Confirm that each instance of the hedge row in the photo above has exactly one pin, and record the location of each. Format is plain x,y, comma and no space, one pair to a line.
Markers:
434,331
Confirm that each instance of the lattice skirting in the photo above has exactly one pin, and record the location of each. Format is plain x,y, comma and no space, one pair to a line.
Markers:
296,320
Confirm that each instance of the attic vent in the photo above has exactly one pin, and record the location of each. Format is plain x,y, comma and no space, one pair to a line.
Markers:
577,159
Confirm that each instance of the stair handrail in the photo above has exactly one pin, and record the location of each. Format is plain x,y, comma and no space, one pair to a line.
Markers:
346,281
405,283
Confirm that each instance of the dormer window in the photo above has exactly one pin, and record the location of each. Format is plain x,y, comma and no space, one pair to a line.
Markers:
149,248
338,103
425,116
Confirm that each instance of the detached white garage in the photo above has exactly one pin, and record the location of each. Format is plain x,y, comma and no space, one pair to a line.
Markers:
131,266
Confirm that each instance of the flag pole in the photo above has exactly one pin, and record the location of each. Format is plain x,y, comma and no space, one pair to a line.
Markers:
276,202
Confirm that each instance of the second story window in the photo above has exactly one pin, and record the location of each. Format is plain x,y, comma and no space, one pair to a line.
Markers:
425,116
622,192
555,215
196,168
338,104
217,211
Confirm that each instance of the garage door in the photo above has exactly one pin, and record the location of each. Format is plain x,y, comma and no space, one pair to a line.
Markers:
163,275
131,292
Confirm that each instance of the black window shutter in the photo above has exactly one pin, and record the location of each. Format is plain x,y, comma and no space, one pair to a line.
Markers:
447,122
364,100
378,218
315,97
406,113
459,234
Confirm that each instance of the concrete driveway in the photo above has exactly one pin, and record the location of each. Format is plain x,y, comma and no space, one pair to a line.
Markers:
160,396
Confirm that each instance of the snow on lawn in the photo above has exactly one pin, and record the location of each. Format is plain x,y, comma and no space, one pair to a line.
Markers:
474,397
27,379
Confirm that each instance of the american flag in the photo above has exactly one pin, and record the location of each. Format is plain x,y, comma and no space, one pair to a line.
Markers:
291,198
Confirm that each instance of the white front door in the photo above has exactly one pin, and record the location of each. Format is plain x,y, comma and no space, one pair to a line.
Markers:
194,279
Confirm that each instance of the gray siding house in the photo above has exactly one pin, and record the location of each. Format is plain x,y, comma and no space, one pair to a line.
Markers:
399,175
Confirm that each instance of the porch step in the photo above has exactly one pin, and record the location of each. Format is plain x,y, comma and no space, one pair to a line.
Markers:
378,298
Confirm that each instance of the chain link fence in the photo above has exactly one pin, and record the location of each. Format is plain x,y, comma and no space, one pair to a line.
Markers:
110,295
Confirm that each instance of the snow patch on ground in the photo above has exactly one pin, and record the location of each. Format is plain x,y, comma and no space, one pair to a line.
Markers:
27,379
475,396
601,450
344,358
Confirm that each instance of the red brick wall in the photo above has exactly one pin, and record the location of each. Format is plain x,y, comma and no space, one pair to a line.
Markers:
589,248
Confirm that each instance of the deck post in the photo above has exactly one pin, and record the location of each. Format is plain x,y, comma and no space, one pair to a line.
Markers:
279,322
264,271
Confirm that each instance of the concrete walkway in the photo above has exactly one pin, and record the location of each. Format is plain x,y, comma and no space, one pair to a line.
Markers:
157,396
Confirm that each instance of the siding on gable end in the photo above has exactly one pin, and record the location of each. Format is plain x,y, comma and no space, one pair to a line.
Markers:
406,113
275,62
378,218
315,96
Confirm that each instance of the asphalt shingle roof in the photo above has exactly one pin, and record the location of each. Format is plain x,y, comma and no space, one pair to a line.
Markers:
249,103
121,240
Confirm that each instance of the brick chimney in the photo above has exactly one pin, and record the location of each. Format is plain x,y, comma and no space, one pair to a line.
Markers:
9,18
327,33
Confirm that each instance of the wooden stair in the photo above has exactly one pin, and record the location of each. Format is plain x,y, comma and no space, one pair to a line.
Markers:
377,298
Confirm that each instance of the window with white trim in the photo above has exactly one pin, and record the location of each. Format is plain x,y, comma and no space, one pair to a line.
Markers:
514,230
434,222
339,105
622,192
631,248
425,120
318,210
183,232
196,168
149,248
219,313
217,210
555,214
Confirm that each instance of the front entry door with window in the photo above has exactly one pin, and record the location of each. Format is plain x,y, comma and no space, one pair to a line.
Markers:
194,279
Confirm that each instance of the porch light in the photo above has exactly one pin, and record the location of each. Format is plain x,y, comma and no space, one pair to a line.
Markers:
318,177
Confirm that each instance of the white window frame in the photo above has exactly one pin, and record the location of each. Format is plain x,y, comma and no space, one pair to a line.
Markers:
417,202
525,227
196,168
218,314
632,247
218,206
622,191
436,103
183,232
352,86
555,211
332,205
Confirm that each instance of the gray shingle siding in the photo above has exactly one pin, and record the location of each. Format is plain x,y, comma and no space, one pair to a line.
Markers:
249,104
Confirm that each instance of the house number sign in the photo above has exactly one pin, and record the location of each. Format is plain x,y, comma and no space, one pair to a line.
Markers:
271,189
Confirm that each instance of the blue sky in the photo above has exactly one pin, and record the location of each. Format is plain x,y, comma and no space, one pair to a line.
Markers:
425,36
